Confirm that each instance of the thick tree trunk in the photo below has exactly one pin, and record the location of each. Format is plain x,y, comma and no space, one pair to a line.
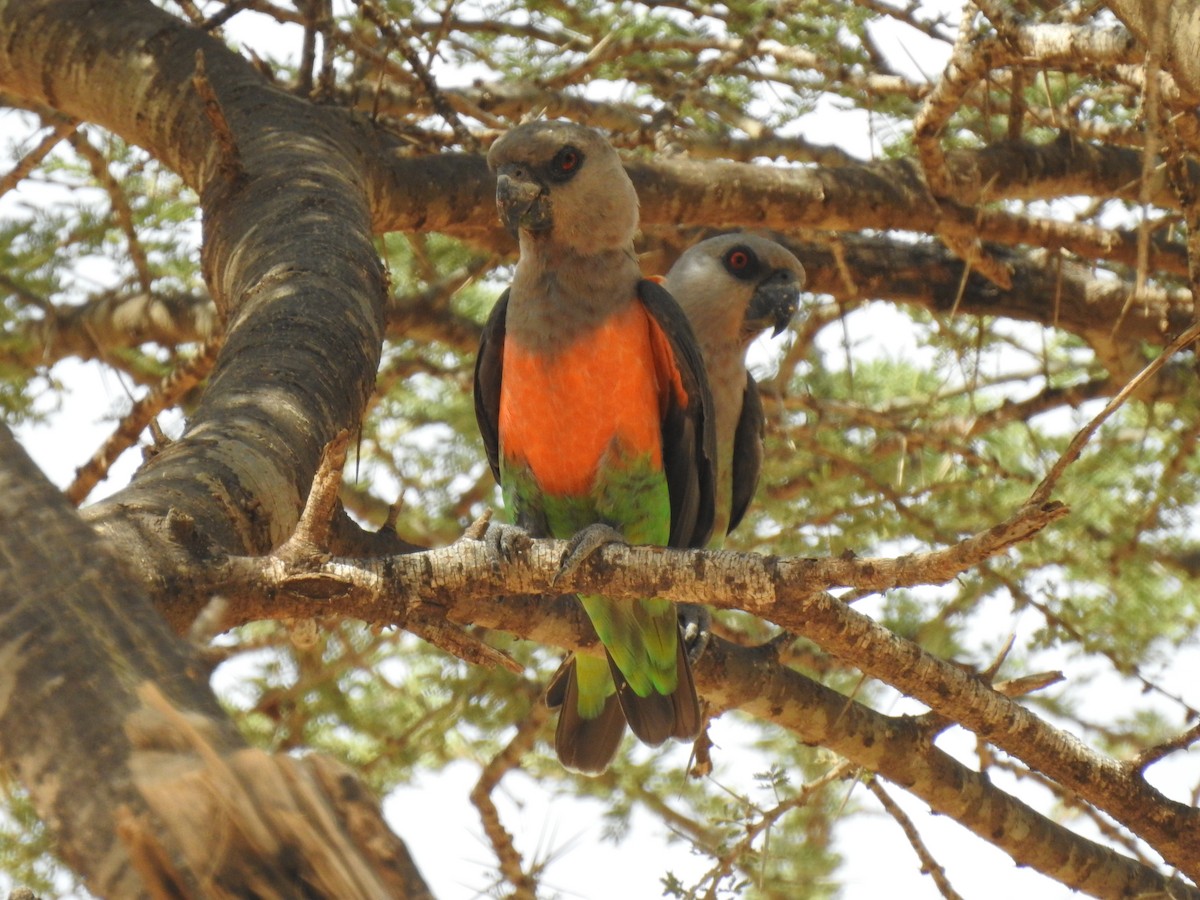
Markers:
291,193
1175,28
125,754
288,255
108,723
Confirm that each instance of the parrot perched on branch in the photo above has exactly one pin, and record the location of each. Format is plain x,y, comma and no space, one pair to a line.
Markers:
732,288
594,407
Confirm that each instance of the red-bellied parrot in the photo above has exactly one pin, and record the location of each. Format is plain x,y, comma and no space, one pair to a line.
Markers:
594,407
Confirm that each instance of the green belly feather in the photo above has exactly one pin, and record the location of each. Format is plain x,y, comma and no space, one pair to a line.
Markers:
630,494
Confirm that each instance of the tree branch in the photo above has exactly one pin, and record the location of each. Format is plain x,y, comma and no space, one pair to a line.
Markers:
168,393
122,746
109,322
459,582
929,865
791,592
300,297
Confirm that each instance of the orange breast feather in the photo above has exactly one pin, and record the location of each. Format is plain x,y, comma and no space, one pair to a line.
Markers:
560,412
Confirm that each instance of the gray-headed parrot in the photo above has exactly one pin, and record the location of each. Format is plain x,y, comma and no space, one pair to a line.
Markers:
594,407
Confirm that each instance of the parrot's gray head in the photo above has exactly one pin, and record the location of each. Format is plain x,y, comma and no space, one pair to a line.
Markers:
564,183
736,286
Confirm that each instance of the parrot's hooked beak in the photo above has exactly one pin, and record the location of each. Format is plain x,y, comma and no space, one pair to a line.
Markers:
521,201
774,303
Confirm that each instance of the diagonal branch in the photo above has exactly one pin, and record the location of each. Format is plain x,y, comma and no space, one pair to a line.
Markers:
790,592
185,377
62,129
524,883
929,865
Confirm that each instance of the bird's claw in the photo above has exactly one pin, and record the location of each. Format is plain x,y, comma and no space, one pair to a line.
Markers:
583,545
505,543
695,624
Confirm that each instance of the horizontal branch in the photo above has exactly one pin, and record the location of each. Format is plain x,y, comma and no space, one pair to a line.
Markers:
880,195
459,582
1052,284
791,592
1047,288
110,322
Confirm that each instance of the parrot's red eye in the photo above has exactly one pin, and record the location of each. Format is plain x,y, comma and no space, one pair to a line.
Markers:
566,162
741,261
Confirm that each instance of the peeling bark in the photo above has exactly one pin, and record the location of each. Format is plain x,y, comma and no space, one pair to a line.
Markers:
291,193
149,789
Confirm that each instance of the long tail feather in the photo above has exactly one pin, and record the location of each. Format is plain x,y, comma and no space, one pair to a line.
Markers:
656,717
687,704
583,745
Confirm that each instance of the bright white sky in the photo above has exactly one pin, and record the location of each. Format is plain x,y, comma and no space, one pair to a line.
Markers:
436,819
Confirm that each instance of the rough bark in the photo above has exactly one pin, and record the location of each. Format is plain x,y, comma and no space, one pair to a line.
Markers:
1181,56
882,196
288,256
461,582
291,193
106,720
294,170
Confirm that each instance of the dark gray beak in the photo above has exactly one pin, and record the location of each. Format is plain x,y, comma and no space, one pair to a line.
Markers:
521,200
774,303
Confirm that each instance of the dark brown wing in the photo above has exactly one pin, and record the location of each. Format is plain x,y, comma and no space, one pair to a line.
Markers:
688,431
747,452
489,366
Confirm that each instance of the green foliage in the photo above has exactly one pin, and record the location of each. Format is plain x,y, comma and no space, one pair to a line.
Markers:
892,429
27,847
72,234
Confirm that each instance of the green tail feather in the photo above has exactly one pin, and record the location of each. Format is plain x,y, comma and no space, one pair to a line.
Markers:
646,678
641,636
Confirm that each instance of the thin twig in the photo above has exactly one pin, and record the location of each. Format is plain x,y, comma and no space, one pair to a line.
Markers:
1152,117
183,379
327,79
929,865
1151,755
401,37
317,517
524,883
739,852
308,48
121,209
1046,487
62,129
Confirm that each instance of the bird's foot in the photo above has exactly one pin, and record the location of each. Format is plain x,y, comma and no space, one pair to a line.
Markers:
695,623
505,543
583,545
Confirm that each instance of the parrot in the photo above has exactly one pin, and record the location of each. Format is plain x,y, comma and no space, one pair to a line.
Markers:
732,287
594,408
